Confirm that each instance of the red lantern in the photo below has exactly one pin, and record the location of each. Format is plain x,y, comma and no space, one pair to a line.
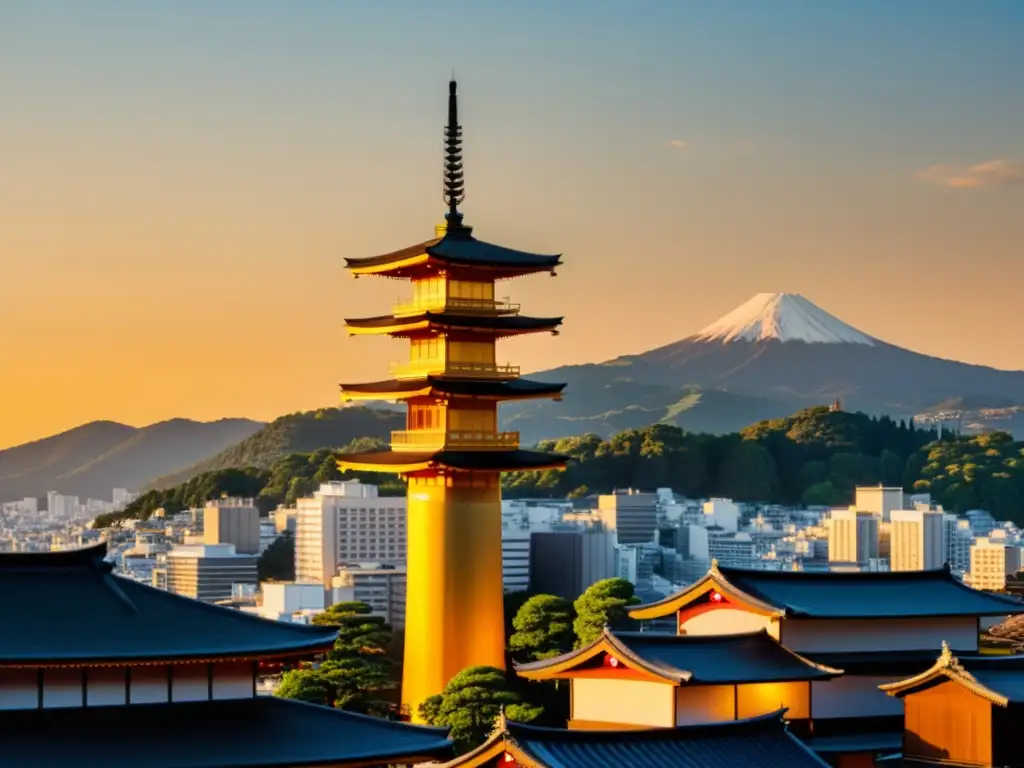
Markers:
716,597
611,661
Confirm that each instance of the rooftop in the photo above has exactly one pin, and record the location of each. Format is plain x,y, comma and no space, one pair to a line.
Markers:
500,325
70,608
805,594
245,733
1000,679
486,460
456,248
754,657
504,390
761,742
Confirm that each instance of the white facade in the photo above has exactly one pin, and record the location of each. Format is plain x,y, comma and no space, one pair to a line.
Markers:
347,522
723,513
383,589
878,499
282,598
916,542
852,535
992,559
515,560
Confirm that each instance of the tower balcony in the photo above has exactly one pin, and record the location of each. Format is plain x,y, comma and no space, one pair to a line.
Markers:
454,304
430,439
421,368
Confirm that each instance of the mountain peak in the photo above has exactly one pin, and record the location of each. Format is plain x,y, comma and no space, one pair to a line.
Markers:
782,317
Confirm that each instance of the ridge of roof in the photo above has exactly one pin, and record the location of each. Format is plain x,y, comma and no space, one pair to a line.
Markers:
91,557
959,670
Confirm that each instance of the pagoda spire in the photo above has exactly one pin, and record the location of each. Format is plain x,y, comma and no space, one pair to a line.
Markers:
454,191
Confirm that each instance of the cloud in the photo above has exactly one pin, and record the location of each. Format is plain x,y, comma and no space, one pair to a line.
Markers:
676,143
991,173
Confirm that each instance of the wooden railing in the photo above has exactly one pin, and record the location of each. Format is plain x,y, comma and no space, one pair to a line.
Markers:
420,368
425,439
456,305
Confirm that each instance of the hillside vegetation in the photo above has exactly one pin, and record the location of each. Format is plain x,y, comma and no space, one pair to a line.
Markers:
91,460
813,457
295,433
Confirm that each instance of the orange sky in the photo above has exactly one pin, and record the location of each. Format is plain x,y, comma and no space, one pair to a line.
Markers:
172,244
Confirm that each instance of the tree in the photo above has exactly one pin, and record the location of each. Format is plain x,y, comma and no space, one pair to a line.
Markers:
748,473
471,702
305,684
278,560
603,604
543,629
358,670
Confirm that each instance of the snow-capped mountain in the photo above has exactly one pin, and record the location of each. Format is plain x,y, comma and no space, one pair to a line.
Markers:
783,317
771,355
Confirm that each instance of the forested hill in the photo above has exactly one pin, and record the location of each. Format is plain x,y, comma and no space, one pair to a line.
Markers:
814,457
295,433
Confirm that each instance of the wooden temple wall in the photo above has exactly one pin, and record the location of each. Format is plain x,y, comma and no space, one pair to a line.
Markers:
33,688
630,702
853,696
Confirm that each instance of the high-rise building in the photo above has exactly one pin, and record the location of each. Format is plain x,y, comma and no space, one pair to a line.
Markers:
208,571
631,515
515,560
345,523
565,563
878,499
852,536
233,521
917,540
383,589
452,452
992,559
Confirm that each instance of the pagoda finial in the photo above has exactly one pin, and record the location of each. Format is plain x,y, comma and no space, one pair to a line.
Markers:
454,191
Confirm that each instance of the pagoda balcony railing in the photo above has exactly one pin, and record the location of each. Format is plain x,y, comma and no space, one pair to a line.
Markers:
453,304
420,368
421,439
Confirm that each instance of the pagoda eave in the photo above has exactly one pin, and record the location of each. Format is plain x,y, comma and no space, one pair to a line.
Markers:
407,462
495,326
445,388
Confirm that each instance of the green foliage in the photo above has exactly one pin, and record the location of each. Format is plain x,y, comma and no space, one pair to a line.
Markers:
981,472
775,461
277,563
306,432
358,672
543,629
603,604
470,704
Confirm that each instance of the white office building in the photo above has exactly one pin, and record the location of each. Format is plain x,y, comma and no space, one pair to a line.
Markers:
344,523
916,539
853,535
993,558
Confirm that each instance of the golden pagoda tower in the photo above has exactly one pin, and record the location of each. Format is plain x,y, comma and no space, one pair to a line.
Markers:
452,453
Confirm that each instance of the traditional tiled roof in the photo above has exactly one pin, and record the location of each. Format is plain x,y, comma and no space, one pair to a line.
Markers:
485,460
485,388
458,248
842,594
263,732
876,662
761,742
500,325
755,657
67,607
1000,679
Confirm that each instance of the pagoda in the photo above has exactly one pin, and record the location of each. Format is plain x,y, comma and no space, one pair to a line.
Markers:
452,452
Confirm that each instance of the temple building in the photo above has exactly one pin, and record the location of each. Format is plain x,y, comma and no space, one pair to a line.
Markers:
650,680
452,452
877,627
761,742
100,670
963,711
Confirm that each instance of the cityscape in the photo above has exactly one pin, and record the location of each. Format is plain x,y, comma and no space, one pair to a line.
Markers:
779,538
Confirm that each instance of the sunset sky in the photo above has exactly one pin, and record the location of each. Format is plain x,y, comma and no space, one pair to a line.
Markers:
180,182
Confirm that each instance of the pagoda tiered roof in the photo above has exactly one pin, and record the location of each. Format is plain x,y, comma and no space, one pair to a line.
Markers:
262,732
999,679
469,461
68,608
760,742
451,322
753,657
434,386
839,594
457,248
